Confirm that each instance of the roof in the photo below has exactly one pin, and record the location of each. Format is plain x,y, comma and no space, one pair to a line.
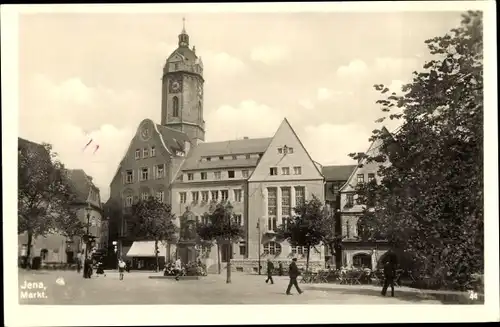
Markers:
225,148
26,144
338,172
173,139
81,184
187,53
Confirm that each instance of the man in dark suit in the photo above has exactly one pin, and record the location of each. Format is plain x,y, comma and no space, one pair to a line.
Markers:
270,270
293,273
389,275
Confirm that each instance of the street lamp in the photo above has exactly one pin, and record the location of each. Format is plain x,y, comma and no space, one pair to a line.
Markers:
258,235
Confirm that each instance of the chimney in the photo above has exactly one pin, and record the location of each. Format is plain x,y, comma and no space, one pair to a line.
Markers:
245,137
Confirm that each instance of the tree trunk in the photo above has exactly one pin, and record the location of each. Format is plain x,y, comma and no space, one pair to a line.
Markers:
218,258
228,267
156,256
27,261
307,259
167,257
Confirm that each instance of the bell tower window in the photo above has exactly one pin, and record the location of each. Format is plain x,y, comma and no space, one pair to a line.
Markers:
200,112
175,106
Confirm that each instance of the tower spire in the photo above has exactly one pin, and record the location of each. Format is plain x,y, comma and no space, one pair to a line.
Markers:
183,37
183,25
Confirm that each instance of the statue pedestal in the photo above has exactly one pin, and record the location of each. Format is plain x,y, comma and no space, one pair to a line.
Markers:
186,251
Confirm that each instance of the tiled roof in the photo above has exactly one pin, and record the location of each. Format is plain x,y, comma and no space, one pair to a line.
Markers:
225,148
174,140
338,172
187,53
81,184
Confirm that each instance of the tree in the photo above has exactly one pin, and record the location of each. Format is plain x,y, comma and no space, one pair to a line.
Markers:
331,238
429,200
43,191
154,220
220,225
308,226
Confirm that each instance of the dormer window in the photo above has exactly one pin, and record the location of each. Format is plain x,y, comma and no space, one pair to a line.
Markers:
221,158
209,159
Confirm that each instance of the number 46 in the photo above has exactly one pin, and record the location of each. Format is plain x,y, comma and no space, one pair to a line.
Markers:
472,295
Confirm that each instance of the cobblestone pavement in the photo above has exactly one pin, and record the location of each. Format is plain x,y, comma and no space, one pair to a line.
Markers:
137,288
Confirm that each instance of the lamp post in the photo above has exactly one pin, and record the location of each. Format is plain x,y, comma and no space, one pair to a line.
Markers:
258,235
87,236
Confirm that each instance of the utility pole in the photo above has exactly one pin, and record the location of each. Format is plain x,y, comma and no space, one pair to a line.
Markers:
258,234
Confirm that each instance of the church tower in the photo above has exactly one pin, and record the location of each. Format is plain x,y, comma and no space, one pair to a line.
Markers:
182,91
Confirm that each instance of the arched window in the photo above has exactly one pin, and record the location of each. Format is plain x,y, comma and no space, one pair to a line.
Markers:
362,260
200,112
175,105
272,248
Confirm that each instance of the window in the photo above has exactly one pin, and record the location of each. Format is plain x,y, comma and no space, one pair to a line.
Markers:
145,153
205,220
371,177
160,171
144,196
290,150
285,202
358,200
182,197
190,176
217,175
203,175
361,178
286,222
247,156
230,174
224,194
243,248
299,195
197,219
137,154
350,200
160,195
175,106
209,159
238,219
299,250
285,171
297,170
221,158
129,200
129,176
195,196
144,174
271,201
215,195
272,248
280,150
244,173
235,157
237,195
153,151
176,65
273,171
204,196
348,229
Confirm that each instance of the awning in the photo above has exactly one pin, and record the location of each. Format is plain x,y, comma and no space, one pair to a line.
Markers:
145,249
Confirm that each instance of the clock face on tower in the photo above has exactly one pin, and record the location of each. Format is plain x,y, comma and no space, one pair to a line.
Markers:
175,86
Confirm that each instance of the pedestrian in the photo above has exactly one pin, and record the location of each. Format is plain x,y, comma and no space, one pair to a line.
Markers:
293,272
280,268
270,270
79,262
389,274
121,267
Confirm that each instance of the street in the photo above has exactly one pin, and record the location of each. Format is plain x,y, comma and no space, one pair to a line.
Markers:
137,288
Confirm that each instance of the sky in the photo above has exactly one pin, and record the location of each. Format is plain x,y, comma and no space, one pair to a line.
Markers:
98,76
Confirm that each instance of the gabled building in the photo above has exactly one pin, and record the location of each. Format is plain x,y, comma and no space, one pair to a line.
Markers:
55,247
335,177
355,251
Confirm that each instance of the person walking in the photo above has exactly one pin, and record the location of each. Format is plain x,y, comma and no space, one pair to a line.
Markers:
121,267
270,270
280,268
389,275
178,268
293,272
79,262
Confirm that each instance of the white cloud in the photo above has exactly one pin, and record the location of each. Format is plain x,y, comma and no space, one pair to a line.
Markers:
307,104
399,65
217,63
270,54
248,118
58,113
396,86
324,94
355,67
325,143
